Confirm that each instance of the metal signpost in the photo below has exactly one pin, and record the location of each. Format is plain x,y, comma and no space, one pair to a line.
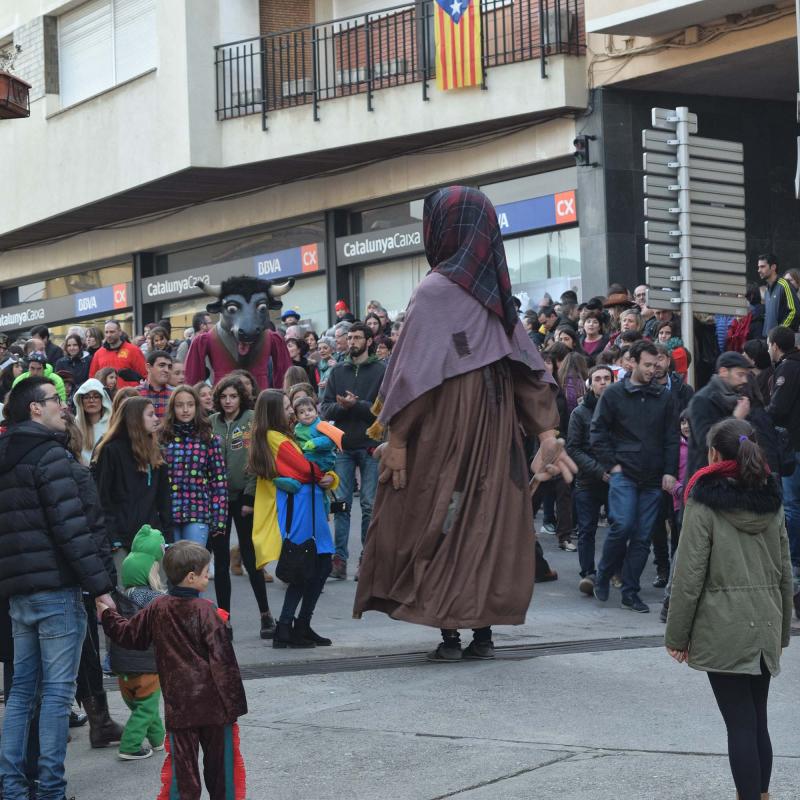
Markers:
694,220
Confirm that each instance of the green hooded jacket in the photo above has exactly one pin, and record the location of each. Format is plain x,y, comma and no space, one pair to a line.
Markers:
731,601
234,438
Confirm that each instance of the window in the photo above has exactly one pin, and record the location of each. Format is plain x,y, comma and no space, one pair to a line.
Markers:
102,43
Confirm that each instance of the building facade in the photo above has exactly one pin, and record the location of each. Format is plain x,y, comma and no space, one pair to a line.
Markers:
172,141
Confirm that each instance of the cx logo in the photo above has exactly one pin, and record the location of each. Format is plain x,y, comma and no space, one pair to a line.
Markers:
566,210
120,295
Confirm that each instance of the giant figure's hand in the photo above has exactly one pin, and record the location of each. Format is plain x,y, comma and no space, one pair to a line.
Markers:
392,464
551,461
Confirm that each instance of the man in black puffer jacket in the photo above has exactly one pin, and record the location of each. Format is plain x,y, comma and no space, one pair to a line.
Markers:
47,555
591,483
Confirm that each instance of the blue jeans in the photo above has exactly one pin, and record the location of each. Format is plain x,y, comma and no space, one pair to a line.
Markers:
346,463
632,512
191,532
49,628
791,507
588,503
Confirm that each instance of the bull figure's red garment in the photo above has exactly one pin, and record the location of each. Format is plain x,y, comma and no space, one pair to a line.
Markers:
208,346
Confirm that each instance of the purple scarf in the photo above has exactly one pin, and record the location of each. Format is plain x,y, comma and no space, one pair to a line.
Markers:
448,332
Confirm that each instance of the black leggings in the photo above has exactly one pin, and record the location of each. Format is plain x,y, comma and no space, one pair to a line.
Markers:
742,699
308,592
221,547
90,673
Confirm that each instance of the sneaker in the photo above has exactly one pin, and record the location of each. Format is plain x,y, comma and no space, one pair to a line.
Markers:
661,580
616,581
570,547
339,569
633,603
479,651
586,585
548,527
159,747
446,652
601,590
77,718
142,752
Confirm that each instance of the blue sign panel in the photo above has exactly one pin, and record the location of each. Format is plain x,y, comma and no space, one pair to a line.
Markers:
286,263
98,301
536,213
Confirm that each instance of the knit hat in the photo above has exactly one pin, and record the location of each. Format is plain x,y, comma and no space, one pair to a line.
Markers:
732,360
341,306
147,549
290,313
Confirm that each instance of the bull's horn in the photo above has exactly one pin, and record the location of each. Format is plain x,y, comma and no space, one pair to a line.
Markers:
211,289
279,289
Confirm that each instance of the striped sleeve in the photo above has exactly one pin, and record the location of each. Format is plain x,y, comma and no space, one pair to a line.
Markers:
791,304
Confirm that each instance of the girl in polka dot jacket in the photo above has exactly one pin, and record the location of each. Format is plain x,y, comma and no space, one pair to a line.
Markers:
197,474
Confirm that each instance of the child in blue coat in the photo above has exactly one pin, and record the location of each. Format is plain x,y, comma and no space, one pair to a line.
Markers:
318,448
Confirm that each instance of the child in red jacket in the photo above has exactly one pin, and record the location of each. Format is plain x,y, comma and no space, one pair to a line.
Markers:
200,679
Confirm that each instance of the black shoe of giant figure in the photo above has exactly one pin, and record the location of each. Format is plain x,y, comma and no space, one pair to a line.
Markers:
103,731
480,651
449,651
310,635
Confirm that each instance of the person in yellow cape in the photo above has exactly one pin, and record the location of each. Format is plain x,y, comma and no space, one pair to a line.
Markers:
289,506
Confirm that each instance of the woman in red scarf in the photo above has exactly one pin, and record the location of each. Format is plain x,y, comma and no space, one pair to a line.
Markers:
731,602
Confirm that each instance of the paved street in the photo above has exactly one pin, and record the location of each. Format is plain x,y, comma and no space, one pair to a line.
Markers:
554,716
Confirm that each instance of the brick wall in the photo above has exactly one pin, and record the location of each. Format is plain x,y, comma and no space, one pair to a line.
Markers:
280,15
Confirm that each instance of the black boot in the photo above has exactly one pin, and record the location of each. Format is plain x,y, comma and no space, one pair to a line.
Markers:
308,633
267,626
103,731
297,638
282,635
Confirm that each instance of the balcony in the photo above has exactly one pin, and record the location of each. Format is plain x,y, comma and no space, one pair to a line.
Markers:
657,17
367,53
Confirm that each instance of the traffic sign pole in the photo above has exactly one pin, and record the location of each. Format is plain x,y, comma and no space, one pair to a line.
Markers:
685,227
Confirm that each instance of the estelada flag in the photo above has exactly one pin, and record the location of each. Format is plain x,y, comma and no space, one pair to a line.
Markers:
457,26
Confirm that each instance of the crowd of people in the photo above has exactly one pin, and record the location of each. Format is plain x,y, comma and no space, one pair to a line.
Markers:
108,458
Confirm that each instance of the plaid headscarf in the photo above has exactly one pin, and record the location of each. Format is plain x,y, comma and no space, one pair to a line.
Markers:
463,243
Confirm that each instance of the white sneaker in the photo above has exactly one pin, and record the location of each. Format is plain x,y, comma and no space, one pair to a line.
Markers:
548,527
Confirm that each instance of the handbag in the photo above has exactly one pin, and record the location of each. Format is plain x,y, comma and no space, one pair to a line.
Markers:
298,562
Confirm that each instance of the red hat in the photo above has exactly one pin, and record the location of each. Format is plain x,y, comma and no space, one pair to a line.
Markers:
341,306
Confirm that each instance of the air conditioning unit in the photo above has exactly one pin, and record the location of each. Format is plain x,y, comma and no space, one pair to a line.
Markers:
297,88
561,27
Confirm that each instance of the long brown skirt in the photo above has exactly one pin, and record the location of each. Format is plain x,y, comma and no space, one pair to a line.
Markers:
455,548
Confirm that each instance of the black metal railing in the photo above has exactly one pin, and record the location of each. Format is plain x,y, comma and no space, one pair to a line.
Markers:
367,52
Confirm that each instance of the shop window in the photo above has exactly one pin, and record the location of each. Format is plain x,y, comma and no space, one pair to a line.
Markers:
103,43
75,283
555,254
392,216
544,183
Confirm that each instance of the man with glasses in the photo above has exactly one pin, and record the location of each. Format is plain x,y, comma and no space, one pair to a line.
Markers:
349,394
48,555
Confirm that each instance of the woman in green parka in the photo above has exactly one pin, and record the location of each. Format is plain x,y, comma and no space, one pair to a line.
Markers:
731,605
231,424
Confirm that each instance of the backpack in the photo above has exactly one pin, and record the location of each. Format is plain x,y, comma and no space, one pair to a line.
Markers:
738,333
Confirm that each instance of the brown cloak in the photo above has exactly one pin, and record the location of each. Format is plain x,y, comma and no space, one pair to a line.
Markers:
455,548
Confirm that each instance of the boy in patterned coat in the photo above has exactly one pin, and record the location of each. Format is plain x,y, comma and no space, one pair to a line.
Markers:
199,675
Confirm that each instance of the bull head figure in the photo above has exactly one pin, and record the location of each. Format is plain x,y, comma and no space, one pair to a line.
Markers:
244,305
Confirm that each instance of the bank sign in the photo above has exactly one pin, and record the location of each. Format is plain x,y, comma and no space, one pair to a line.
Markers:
535,213
269,266
94,303
97,301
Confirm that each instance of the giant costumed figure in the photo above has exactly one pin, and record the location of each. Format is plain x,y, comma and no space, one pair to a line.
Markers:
242,338
451,542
